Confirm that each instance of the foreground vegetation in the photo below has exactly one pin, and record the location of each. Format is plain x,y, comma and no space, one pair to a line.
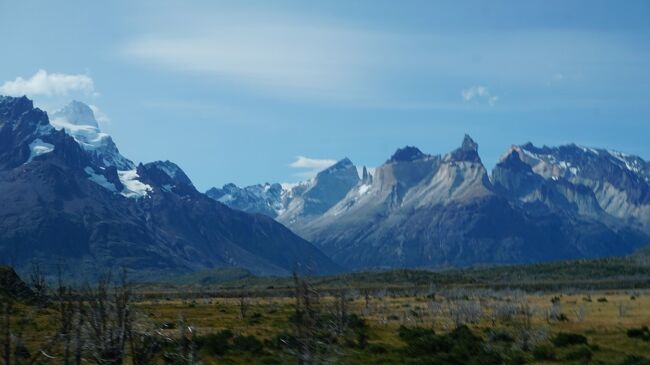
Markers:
352,319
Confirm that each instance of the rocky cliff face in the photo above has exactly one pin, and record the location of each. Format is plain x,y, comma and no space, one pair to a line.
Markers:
292,204
322,193
606,185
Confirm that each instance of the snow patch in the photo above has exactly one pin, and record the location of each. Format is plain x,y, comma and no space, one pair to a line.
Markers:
226,198
87,136
99,179
38,147
364,189
133,188
589,149
630,163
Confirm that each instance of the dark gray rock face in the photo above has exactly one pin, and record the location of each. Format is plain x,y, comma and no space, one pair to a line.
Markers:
59,207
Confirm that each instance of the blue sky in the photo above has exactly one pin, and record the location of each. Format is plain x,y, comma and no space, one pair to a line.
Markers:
236,91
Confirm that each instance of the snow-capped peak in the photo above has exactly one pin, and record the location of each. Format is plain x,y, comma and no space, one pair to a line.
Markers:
78,120
76,113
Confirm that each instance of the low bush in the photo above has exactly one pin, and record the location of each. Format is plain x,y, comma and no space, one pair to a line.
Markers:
215,343
544,353
641,333
460,346
582,353
248,344
377,348
564,339
499,336
635,360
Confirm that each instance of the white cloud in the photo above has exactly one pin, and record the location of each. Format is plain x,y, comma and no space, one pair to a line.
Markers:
311,166
479,93
303,162
100,116
287,60
43,83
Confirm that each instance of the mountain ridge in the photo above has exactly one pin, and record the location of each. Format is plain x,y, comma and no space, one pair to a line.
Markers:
62,206
447,210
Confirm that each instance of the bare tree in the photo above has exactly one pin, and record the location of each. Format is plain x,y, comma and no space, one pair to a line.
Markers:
108,317
244,304
38,283
340,314
581,313
185,352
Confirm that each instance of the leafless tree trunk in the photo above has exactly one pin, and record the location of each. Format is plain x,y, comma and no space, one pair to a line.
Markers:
305,321
38,283
244,304
108,320
340,312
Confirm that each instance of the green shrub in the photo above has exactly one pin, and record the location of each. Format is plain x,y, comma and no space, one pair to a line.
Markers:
460,346
499,336
377,348
422,341
215,343
544,353
359,327
516,358
642,333
283,340
564,339
255,318
248,344
635,360
582,353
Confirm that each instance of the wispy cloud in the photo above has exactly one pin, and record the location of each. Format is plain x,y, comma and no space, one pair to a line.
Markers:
100,116
43,83
479,93
283,59
310,166
298,56
303,162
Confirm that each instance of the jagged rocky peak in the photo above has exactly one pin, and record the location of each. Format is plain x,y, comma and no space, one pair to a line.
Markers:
408,153
343,164
344,169
468,151
25,132
23,117
366,177
167,176
268,199
12,109
512,160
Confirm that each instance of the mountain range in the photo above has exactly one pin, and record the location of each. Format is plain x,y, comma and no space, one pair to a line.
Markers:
68,197
421,210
